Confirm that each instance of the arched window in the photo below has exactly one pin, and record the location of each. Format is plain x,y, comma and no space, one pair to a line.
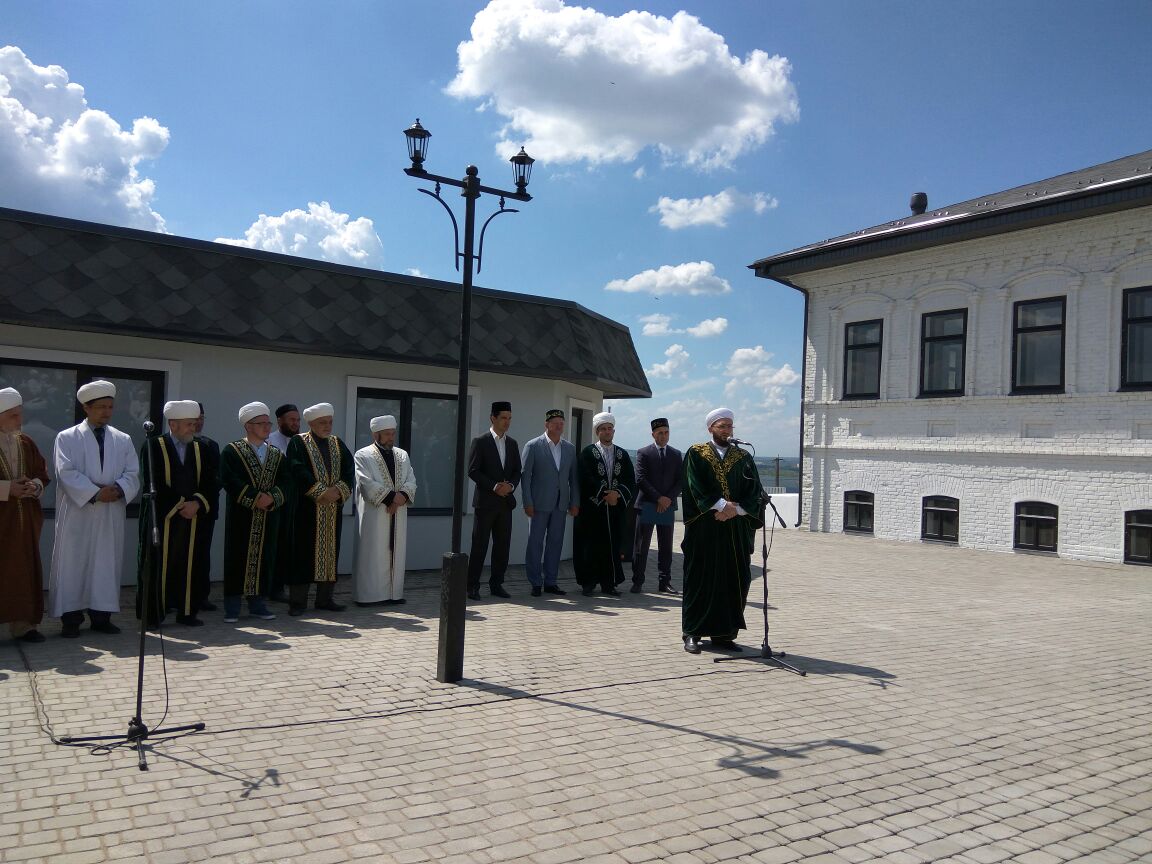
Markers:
858,511
940,518
1037,526
1138,537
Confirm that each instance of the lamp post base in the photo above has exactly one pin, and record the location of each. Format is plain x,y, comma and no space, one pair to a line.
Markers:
453,605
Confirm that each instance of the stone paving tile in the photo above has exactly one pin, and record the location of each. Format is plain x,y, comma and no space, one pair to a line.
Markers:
960,707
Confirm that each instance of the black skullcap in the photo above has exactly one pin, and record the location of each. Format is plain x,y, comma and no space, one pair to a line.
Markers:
658,422
284,409
553,413
497,407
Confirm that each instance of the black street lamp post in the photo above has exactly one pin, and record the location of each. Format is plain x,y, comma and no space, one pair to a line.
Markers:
454,571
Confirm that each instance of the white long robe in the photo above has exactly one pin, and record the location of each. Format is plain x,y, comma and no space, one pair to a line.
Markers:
89,543
379,570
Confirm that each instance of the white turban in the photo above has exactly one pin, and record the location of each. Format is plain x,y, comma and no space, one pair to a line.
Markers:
251,411
718,414
183,409
379,424
9,398
602,418
315,412
96,390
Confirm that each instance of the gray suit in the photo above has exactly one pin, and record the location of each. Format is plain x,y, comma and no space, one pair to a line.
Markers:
551,492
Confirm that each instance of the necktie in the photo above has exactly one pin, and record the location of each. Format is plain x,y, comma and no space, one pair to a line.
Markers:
661,454
99,433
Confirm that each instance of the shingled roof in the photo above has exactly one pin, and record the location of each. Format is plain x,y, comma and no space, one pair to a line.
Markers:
73,275
1105,188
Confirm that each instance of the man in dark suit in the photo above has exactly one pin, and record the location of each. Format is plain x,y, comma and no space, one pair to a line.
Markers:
494,466
659,469
209,526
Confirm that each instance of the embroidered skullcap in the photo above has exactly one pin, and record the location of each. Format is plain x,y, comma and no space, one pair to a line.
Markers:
315,412
553,413
380,424
718,414
659,423
183,409
9,398
98,390
284,409
251,411
602,418
497,407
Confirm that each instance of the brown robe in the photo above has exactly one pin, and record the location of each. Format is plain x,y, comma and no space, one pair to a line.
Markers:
21,573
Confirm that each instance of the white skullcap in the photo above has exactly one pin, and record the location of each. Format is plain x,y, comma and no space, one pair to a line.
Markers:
379,424
9,398
96,390
315,412
718,414
183,409
251,411
602,418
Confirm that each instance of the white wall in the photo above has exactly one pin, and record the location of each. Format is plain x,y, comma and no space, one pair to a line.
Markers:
226,378
1086,450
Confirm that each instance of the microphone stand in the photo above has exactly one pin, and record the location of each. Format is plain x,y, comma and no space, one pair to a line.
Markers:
775,658
138,733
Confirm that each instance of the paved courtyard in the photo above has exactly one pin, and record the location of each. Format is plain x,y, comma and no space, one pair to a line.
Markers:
960,706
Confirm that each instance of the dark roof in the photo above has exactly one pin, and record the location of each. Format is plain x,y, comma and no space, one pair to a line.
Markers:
73,275
1118,185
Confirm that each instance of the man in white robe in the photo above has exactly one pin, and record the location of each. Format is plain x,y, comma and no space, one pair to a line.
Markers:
98,473
385,486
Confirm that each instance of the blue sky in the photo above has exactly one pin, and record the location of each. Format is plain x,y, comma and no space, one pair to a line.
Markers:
676,144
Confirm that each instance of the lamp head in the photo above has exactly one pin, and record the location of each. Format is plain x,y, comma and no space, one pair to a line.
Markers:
522,170
417,137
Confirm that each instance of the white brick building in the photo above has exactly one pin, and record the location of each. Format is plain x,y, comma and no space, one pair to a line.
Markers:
982,373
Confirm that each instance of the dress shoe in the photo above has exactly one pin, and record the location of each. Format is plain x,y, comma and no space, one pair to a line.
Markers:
399,601
105,627
666,588
537,590
725,644
207,606
554,589
691,644
295,610
330,606
474,595
589,592
232,619
611,592
636,588
186,620
32,636
497,591
280,596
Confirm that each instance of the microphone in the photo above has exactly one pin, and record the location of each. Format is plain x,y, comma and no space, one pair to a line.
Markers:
738,441
149,427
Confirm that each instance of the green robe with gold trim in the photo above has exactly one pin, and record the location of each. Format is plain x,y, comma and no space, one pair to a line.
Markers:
317,527
717,555
250,534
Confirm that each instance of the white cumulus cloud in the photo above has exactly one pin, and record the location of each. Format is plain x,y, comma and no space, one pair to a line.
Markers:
576,85
59,156
708,327
658,324
677,365
318,232
694,277
676,213
751,370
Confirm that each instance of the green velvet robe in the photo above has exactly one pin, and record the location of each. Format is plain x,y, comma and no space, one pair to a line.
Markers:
251,534
316,527
717,555
600,535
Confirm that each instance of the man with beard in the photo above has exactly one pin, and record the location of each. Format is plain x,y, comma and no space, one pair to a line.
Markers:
385,486
722,512
23,476
323,476
607,486
186,477
209,524
98,473
287,427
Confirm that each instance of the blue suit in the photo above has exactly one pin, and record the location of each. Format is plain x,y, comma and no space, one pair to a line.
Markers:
551,492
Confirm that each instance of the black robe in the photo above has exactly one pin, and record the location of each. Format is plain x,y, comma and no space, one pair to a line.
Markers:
600,535
317,464
717,555
251,534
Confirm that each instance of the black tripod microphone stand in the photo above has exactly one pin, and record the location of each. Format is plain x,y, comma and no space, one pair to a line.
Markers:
138,733
775,658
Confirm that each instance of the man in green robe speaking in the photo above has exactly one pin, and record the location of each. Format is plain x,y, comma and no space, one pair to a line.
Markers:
722,512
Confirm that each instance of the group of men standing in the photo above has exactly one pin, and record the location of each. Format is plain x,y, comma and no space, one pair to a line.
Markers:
284,493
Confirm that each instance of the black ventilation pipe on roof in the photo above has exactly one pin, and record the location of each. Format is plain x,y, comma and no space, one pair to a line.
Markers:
919,203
